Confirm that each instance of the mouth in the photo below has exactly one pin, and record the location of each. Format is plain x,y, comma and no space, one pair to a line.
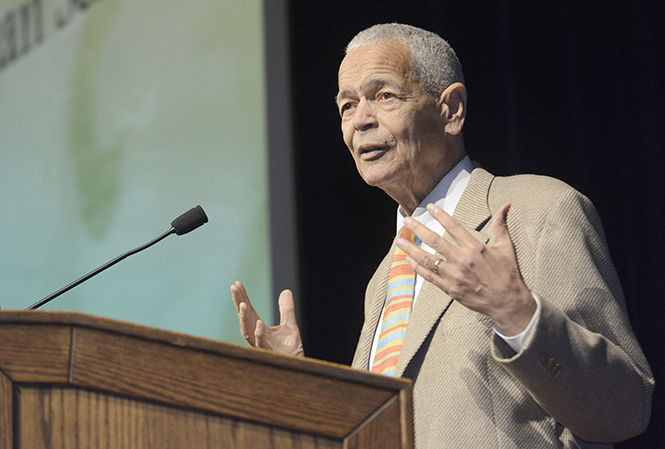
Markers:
372,152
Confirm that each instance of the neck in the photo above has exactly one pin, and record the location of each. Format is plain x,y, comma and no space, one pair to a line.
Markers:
410,199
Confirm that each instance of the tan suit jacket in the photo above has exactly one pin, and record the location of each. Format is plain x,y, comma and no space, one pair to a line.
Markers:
581,376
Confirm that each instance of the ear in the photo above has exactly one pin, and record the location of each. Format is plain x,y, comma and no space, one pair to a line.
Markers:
452,107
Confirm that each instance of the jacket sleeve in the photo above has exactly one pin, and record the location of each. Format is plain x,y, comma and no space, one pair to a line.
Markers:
581,363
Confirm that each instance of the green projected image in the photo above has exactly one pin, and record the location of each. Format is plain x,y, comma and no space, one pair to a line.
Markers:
115,117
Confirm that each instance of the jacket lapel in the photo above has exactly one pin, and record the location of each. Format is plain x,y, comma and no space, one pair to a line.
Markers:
473,213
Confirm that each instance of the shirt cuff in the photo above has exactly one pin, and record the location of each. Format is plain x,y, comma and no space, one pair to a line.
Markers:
517,341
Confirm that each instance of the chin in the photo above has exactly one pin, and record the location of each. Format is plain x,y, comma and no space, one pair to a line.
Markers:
379,172
377,179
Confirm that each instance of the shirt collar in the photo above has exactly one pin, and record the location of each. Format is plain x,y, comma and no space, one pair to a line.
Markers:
446,194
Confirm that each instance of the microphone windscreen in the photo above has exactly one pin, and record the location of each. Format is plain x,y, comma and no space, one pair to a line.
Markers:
189,221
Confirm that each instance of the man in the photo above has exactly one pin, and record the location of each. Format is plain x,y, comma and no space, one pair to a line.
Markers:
514,328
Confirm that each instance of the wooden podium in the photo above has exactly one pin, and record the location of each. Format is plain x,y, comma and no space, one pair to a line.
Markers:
70,380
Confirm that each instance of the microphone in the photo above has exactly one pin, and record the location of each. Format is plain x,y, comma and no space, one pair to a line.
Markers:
189,221
185,223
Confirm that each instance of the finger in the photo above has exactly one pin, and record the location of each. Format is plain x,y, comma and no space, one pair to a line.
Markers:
418,256
451,281
440,279
452,226
261,335
246,325
239,294
287,310
428,236
499,225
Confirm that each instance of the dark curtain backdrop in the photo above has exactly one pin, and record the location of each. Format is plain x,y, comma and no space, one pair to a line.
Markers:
570,90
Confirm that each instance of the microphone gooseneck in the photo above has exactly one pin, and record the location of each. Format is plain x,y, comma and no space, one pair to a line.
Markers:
185,223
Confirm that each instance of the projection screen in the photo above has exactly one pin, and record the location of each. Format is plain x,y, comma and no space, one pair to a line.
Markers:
115,117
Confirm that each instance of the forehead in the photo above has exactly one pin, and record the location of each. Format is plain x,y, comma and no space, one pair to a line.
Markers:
388,59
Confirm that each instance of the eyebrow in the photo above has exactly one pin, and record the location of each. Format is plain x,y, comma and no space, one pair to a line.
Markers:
343,94
373,83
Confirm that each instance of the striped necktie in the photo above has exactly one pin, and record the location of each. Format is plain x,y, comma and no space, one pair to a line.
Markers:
396,310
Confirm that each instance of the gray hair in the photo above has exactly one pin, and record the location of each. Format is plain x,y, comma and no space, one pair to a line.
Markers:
435,63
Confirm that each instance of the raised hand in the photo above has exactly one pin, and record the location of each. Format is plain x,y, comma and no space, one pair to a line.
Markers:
484,278
283,338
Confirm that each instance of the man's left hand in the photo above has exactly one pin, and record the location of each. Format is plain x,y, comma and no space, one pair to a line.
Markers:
484,278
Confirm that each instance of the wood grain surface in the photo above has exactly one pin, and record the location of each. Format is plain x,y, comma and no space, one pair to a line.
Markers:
6,411
79,419
258,392
35,353
70,380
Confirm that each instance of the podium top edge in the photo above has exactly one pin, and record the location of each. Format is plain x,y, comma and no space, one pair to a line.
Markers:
172,338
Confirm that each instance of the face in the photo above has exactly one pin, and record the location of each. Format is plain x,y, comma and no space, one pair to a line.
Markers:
392,128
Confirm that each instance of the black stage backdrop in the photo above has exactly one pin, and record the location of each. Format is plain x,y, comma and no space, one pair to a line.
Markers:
570,90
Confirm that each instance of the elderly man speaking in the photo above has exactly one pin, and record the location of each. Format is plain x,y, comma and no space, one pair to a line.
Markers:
498,298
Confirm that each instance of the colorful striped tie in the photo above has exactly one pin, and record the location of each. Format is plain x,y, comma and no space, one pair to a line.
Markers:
396,310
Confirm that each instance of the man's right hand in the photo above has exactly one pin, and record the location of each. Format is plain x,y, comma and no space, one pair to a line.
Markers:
284,338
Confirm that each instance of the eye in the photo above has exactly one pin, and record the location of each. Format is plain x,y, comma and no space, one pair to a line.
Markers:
386,96
346,107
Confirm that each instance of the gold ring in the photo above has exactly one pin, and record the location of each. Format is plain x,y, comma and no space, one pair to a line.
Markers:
435,268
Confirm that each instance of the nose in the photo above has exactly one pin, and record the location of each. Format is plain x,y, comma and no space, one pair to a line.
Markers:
364,117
